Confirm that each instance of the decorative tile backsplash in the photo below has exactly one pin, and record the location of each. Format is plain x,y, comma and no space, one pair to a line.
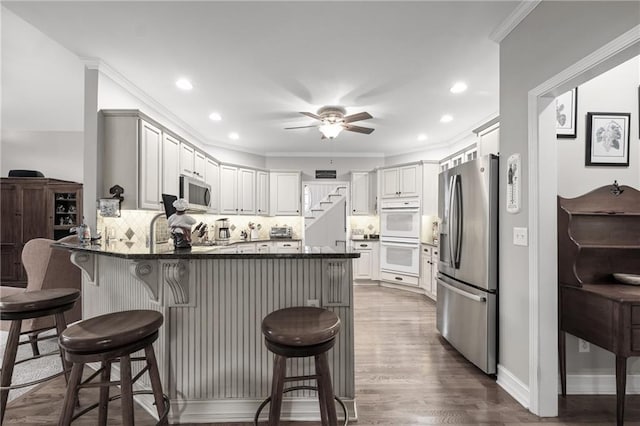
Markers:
360,225
133,225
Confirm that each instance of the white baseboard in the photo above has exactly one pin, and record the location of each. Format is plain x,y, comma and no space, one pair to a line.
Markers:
243,410
514,387
599,384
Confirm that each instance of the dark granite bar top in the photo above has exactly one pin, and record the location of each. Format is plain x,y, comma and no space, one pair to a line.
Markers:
163,251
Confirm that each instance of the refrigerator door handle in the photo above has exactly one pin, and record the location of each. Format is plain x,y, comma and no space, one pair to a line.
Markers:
462,292
452,183
458,197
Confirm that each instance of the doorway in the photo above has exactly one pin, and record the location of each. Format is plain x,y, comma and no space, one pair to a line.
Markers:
543,189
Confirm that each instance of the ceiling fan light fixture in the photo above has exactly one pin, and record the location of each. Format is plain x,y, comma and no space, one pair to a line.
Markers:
330,130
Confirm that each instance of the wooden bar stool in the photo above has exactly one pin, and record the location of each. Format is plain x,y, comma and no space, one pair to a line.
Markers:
24,306
301,332
113,338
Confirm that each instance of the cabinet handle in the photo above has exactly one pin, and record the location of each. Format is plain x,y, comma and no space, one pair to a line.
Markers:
297,211
241,210
364,245
399,278
286,245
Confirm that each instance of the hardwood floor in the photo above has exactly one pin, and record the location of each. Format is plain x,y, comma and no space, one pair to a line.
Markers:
405,375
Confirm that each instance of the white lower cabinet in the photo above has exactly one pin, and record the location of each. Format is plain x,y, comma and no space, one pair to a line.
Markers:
247,248
367,266
287,246
429,270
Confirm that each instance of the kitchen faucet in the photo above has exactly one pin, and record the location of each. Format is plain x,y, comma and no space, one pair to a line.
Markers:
152,226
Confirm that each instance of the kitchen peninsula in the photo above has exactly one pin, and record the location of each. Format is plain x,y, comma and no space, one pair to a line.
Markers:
213,363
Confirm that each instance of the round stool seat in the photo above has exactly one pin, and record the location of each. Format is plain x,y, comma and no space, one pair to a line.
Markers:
40,300
106,332
300,326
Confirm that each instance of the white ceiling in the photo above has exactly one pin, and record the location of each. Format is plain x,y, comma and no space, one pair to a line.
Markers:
259,63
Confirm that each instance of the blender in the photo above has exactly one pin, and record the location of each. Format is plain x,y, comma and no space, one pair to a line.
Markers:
222,231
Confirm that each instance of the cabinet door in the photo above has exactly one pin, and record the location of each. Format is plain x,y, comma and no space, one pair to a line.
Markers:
187,160
389,183
360,193
287,247
247,248
170,165
375,261
150,163
10,232
430,190
410,177
212,178
228,189
285,193
199,164
262,193
425,272
246,191
362,266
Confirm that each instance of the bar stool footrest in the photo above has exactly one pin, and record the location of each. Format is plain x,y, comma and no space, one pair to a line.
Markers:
167,405
296,388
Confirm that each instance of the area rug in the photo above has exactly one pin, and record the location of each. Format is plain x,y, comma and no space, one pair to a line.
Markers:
35,369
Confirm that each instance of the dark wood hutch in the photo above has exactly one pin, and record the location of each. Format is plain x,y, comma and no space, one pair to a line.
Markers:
599,235
34,208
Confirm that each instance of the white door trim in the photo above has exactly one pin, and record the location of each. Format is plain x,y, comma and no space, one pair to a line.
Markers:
543,349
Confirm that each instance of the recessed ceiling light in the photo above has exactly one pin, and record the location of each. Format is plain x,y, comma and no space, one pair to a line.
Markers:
234,136
422,137
184,84
459,87
215,116
446,118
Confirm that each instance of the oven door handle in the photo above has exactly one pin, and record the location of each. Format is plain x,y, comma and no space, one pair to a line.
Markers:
395,244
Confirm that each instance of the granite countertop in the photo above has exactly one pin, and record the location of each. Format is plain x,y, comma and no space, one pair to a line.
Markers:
140,251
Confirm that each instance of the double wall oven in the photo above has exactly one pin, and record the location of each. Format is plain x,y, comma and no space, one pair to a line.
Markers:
400,241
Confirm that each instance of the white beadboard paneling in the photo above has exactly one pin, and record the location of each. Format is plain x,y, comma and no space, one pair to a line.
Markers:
211,350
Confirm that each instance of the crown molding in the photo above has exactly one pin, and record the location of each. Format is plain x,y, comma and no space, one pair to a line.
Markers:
132,88
521,11
325,154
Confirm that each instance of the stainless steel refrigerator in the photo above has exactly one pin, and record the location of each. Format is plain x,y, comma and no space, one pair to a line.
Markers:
468,264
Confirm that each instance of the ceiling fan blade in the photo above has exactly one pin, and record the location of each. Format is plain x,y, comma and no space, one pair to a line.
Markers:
358,129
301,127
312,115
357,117
322,137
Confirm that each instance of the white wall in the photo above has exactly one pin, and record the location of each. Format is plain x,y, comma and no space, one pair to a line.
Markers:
552,37
42,103
613,91
309,165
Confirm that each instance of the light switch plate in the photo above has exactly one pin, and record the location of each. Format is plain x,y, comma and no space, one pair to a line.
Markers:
520,237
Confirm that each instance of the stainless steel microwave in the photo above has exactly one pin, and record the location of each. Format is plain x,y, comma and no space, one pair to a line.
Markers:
196,192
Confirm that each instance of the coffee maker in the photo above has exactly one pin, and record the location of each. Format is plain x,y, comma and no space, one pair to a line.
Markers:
222,231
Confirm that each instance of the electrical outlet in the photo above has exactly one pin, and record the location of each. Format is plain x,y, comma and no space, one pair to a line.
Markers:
520,237
584,346
313,302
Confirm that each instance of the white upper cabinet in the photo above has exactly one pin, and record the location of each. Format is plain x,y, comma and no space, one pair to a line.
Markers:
228,189
402,181
187,160
170,165
361,193
199,165
285,193
212,178
150,176
262,193
430,189
246,191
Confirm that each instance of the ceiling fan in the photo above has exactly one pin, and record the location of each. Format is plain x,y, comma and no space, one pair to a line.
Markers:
333,120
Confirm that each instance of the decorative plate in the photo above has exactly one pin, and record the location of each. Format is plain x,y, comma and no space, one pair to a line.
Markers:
628,278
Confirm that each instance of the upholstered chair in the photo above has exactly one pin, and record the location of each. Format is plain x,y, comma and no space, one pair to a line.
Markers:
46,268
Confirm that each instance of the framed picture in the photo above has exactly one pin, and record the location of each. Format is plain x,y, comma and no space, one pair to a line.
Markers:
607,139
566,113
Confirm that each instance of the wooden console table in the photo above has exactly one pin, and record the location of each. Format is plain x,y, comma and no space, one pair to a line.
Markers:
598,235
